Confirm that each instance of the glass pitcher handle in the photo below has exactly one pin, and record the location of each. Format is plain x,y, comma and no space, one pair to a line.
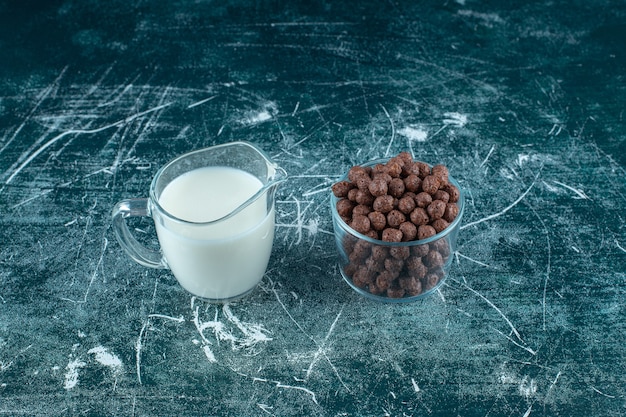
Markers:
136,207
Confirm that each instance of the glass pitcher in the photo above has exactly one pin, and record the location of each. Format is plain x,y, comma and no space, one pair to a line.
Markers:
213,211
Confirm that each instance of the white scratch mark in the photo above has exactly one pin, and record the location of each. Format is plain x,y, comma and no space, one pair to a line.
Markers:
492,305
298,224
309,336
42,97
197,103
556,127
414,134
308,391
548,265
138,349
493,216
28,200
459,254
416,387
265,408
93,276
71,375
260,117
313,192
488,18
6,365
619,246
554,382
142,332
601,393
526,348
455,119
104,357
322,346
579,193
79,132
209,353
295,110
254,333
528,388
307,137
393,130
281,385
527,413
487,157
180,319
522,159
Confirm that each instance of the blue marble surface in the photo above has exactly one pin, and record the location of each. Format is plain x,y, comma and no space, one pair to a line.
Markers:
524,103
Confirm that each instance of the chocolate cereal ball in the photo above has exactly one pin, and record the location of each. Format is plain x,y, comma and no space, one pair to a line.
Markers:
395,218
412,183
340,189
363,277
441,195
380,253
394,265
392,235
420,251
406,204
433,259
378,187
409,231
439,225
382,176
394,168
430,184
453,191
360,223
383,204
423,168
411,285
425,231
452,210
396,187
395,291
419,217
430,281
363,182
423,199
352,194
355,172
344,207
364,197
378,220
440,171
400,252
361,209
416,267
436,209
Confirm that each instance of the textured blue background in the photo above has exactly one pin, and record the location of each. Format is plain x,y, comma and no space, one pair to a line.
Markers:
525,104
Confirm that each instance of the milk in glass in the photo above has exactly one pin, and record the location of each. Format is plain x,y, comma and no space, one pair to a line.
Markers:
223,259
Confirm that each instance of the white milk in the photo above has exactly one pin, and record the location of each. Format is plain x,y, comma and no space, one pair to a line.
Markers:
223,259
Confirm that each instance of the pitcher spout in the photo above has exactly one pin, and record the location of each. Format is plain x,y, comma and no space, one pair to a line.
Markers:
278,176
268,172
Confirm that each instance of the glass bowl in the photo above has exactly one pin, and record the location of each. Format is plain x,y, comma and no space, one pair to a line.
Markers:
409,270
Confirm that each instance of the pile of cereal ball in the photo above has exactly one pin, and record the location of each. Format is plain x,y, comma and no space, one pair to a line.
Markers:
401,200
